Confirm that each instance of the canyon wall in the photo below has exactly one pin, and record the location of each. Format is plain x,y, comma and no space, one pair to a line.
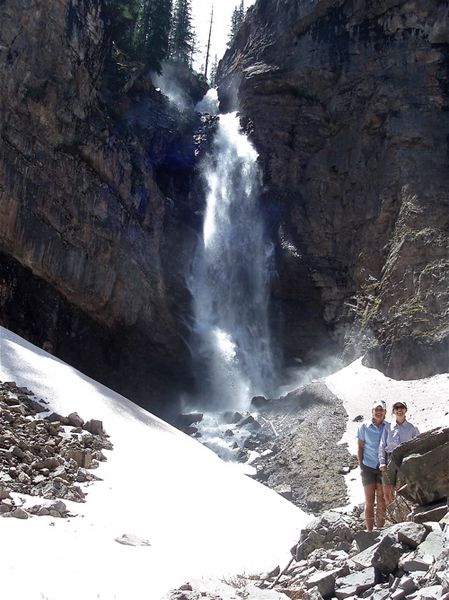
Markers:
88,233
347,103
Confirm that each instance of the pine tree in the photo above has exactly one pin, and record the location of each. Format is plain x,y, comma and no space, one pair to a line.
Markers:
237,17
213,71
208,42
182,38
122,15
152,32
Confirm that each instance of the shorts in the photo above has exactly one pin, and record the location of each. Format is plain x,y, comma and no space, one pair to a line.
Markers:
389,477
370,475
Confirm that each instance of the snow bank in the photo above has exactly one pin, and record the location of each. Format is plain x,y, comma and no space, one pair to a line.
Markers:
201,516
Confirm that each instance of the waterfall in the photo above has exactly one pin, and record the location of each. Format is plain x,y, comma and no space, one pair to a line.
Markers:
231,276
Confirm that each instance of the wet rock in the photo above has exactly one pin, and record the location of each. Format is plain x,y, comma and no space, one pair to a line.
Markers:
232,417
249,422
187,419
259,402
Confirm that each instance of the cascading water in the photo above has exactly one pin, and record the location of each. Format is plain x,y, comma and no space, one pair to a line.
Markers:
231,276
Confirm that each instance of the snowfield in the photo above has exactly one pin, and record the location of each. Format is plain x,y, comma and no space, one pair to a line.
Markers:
201,516
196,517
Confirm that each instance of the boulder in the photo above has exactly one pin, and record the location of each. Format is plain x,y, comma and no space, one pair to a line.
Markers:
412,534
430,512
249,422
387,554
355,583
232,417
426,553
331,530
75,420
94,426
424,466
365,539
187,419
324,581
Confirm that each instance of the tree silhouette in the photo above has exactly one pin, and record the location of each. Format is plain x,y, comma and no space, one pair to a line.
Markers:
182,40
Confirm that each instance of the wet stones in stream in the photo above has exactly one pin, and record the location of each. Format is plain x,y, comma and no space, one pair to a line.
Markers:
291,444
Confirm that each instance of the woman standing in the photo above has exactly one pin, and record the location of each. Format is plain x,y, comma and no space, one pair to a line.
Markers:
393,435
369,435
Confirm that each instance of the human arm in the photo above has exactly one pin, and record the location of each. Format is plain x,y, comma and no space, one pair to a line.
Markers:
360,444
382,450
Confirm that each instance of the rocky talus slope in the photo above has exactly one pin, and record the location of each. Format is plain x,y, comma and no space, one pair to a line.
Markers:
291,444
48,456
335,560
347,104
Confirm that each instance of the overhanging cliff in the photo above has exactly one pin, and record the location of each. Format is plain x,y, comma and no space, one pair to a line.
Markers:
348,105
91,211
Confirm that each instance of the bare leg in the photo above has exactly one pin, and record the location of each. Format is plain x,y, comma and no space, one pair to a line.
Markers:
370,492
380,506
388,494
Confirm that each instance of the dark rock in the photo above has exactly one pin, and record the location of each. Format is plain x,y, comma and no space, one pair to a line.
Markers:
94,426
56,418
387,554
324,581
355,583
329,125
187,419
249,422
424,466
331,530
365,539
108,295
232,417
75,420
259,402
430,512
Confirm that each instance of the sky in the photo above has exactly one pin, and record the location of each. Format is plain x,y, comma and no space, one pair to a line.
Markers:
201,10
204,520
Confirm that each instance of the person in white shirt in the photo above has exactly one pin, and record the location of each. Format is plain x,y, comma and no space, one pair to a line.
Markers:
394,434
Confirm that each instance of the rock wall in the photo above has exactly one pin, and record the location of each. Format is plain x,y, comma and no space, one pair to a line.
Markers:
347,103
84,225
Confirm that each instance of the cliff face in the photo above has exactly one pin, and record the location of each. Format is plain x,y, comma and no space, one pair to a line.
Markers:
84,225
347,103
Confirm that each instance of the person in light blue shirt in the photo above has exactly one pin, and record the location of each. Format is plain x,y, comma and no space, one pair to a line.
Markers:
393,435
368,436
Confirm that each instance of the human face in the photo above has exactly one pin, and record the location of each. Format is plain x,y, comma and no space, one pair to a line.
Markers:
378,414
399,411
